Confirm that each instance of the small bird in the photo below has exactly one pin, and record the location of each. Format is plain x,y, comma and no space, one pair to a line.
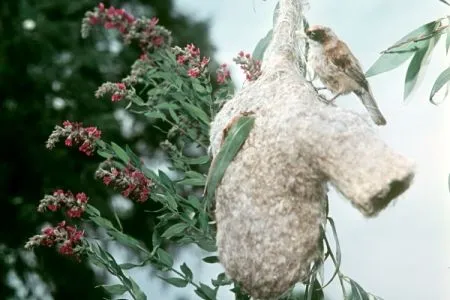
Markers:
338,69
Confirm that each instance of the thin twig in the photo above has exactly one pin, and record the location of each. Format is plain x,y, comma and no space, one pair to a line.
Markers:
417,39
445,2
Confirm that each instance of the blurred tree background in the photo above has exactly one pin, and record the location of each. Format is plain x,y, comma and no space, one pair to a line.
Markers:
48,74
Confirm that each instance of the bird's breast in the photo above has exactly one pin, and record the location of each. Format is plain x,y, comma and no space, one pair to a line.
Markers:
331,76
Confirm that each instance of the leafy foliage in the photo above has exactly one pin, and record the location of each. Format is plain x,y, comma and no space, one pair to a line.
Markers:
418,44
179,99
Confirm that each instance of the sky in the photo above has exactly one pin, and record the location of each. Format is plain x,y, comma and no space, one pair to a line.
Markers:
403,253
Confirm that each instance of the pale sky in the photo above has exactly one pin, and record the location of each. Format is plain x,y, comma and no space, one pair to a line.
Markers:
404,252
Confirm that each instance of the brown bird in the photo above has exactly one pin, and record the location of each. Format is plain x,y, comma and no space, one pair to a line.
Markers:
339,70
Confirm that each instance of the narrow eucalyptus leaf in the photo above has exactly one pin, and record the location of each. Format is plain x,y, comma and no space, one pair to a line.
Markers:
440,82
102,222
120,153
164,257
211,259
174,230
186,271
196,112
412,73
261,47
92,211
115,289
136,290
196,160
394,57
205,292
236,137
175,281
447,41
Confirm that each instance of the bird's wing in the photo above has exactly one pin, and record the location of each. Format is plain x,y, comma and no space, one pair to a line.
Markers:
341,56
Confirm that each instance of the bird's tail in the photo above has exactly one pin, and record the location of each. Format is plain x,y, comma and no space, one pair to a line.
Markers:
371,106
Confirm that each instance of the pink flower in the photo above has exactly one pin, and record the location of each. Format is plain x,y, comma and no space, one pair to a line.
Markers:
250,66
52,207
66,248
130,181
75,133
193,51
223,74
73,205
67,239
121,86
107,180
193,72
204,62
181,59
93,20
157,41
109,25
48,231
116,97
68,142
75,212
153,21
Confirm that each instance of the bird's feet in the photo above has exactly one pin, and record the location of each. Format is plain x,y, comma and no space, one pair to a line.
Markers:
324,99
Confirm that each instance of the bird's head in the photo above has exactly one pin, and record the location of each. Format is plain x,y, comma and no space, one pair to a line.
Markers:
319,34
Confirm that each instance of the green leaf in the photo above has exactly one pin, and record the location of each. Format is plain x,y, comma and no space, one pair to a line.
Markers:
199,88
120,153
357,292
193,180
417,65
134,158
156,238
276,12
314,291
155,115
166,105
178,282
164,257
211,259
186,271
205,292
395,57
447,41
440,82
115,289
196,160
102,222
166,199
105,154
138,294
338,250
128,266
194,202
207,245
126,240
150,174
196,112
166,181
174,230
236,137
221,280
92,211
260,48
174,116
